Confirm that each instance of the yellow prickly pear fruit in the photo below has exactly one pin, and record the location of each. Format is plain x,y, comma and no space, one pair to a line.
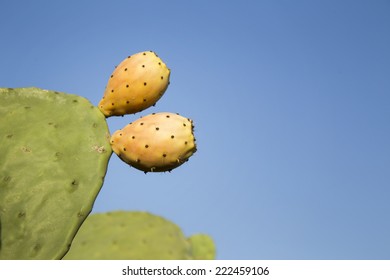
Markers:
137,83
155,143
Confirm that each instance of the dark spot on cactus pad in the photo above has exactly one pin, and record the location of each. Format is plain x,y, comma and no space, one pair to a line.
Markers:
138,160
172,136
75,100
143,66
9,136
112,104
27,107
157,128
129,56
184,124
112,90
144,83
6,179
162,78
26,149
37,247
21,214
164,155
125,69
133,137
74,183
127,85
141,123
80,214
124,149
94,125
185,143
112,76
159,63
127,101
153,113
144,99
144,53
146,146
168,116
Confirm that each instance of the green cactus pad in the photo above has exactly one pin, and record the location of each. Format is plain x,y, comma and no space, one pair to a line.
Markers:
54,155
129,235
203,247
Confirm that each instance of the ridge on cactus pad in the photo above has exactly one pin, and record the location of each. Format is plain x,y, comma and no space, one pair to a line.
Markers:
155,143
54,155
137,83
123,235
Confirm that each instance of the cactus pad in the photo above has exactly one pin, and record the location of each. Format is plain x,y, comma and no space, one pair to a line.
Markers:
129,235
54,154
203,247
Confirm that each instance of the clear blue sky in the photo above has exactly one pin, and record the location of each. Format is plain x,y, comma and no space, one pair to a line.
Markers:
291,102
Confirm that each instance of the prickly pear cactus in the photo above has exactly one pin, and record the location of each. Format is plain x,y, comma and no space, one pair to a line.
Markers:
203,247
137,83
155,143
131,236
54,153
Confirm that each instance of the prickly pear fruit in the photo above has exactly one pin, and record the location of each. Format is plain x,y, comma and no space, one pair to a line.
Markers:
137,83
158,142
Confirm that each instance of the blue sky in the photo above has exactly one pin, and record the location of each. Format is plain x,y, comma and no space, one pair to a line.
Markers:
291,102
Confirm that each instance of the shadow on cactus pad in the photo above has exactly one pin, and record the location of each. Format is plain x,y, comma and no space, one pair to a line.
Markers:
54,155
136,236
